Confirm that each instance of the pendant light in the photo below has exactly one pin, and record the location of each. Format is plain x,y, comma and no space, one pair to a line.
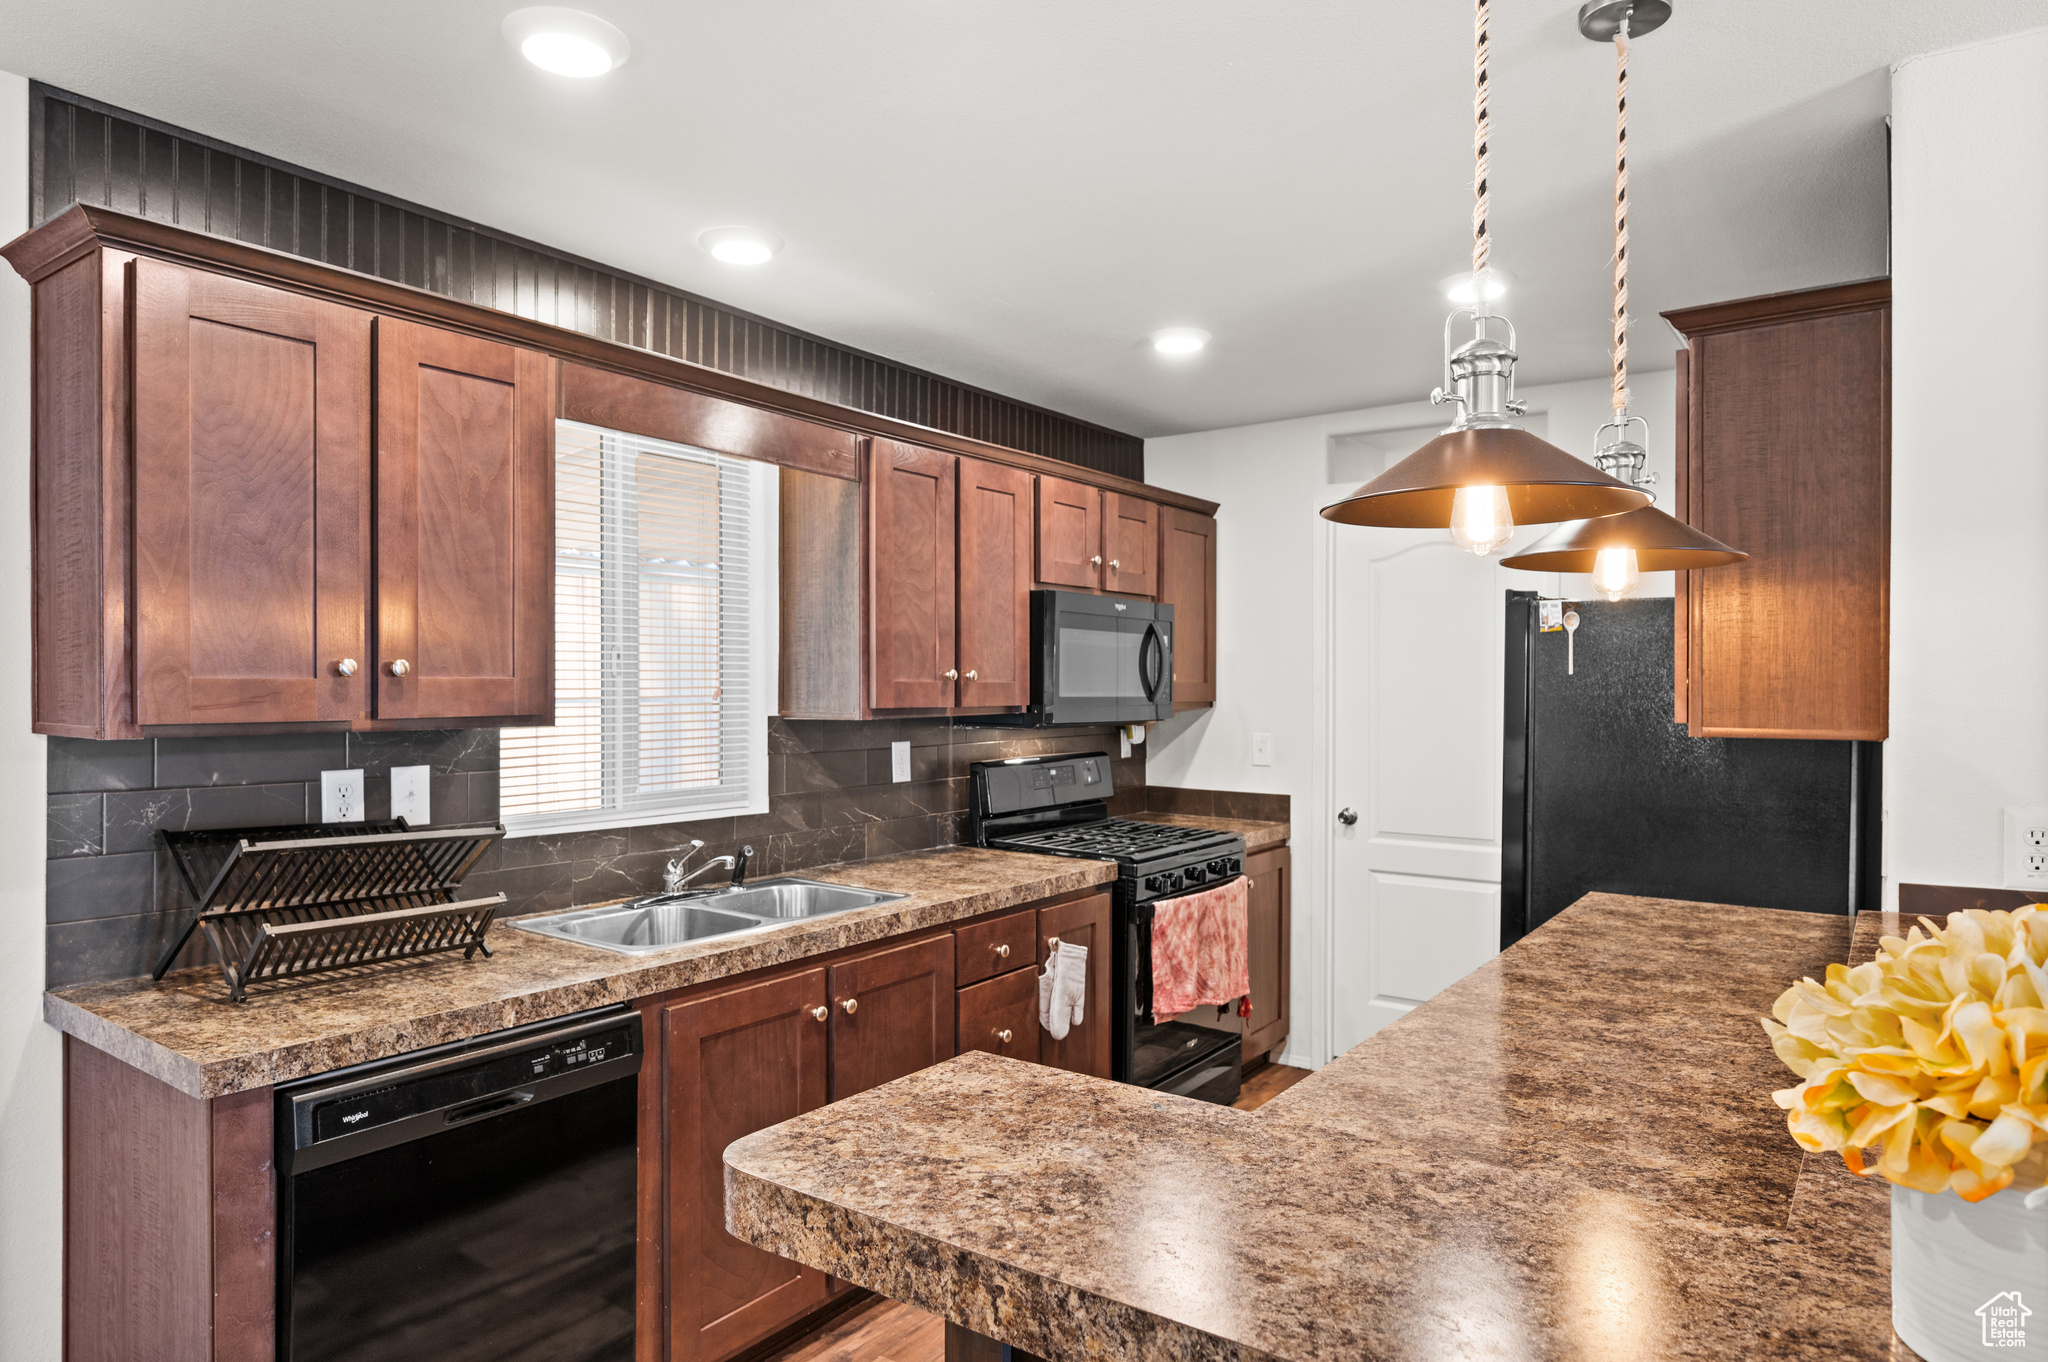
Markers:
1483,475
1617,550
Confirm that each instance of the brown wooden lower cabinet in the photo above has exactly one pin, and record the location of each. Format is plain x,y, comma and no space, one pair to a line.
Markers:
1271,876
1085,922
734,1063
892,1014
1000,1015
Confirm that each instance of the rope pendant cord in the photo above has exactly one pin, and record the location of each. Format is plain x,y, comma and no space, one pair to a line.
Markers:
1621,219
1482,244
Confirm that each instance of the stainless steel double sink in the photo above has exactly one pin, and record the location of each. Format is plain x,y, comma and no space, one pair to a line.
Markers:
662,921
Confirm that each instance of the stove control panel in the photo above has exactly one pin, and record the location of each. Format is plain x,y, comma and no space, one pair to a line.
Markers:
1192,876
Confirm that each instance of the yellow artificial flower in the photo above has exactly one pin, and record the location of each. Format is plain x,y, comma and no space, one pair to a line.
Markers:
1935,1053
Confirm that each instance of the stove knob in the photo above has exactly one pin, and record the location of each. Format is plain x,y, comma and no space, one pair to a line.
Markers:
1196,874
1236,866
1155,883
1218,869
1173,881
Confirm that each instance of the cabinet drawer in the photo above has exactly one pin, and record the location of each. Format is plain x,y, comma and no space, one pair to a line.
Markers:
989,948
1001,1015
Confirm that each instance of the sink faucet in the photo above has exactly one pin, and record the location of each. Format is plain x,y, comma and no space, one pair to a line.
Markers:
675,882
672,879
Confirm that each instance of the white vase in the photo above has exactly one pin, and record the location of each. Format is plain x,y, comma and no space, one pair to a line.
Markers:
1970,1281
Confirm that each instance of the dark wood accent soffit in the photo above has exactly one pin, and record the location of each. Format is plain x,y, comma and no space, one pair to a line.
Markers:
83,228
1776,307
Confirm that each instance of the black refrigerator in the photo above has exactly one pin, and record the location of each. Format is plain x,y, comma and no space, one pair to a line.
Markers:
1601,791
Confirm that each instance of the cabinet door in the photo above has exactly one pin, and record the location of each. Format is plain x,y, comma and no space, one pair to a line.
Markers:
1085,922
1130,545
736,1062
892,1014
1187,582
1069,533
995,584
465,527
1267,950
911,550
1000,1016
252,480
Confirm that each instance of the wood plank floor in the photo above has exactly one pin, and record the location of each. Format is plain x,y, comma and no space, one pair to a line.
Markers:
890,1331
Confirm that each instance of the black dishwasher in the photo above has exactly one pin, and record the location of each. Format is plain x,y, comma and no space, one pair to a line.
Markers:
472,1201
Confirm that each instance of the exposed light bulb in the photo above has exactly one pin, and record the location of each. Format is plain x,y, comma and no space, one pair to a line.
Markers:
1487,286
1615,573
1480,519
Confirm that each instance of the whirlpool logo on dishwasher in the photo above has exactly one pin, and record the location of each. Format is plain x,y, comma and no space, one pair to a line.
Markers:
355,1116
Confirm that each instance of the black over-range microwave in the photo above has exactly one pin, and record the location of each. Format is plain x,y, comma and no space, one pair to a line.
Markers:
1095,660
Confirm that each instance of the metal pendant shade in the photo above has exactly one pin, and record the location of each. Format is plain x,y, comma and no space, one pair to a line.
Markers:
1542,482
1662,543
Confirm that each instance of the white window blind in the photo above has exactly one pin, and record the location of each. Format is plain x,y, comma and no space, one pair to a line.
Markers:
664,639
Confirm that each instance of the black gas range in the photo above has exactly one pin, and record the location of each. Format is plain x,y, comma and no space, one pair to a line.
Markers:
1057,806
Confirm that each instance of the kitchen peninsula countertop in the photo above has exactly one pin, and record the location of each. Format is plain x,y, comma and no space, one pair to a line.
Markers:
186,1032
1572,1152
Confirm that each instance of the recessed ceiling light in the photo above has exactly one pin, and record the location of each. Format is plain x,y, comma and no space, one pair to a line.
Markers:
1466,289
567,42
1179,340
741,245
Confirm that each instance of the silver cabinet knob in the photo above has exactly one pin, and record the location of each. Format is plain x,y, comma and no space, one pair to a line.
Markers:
974,676
821,1012
1347,816
345,667
1096,561
952,673
1004,1035
850,1006
1114,565
1003,952
399,667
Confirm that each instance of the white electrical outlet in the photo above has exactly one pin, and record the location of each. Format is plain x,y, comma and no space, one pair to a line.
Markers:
341,796
2026,848
410,795
1262,749
899,761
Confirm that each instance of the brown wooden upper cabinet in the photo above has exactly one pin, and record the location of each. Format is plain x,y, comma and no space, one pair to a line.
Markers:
1187,582
1784,451
1096,540
205,458
950,580
465,527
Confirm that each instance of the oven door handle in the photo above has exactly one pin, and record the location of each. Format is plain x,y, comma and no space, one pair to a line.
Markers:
1151,662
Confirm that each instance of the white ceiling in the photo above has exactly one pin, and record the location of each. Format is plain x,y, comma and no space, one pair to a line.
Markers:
1014,195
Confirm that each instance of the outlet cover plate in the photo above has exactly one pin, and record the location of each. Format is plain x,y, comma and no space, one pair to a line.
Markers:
2026,848
899,761
411,798
1262,749
341,796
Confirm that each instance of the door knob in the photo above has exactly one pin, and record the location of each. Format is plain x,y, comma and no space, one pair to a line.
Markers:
1004,1035
1347,816
400,667
345,667
850,1005
974,676
952,673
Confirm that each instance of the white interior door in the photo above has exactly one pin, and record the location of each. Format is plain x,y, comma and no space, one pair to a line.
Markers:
1416,754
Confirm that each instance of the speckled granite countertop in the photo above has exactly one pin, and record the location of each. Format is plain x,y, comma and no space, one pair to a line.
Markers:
1571,1153
186,1031
1258,833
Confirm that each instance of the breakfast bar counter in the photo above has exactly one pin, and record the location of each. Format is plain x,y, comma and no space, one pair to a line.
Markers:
1571,1153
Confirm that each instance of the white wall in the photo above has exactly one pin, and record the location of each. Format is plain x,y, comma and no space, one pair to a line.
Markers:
31,1118
1969,644
1273,614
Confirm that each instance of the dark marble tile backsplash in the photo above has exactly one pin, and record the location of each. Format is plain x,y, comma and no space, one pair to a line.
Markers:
114,903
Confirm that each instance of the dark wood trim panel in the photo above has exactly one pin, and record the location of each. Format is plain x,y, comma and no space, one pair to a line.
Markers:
1681,582
1765,308
80,228
244,1227
1939,900
616,401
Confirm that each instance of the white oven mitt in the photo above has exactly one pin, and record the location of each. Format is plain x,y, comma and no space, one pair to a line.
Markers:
1063,990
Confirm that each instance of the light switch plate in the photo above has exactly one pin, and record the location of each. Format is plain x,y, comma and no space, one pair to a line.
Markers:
341,796
1262,749
410,797
2026,848
899,761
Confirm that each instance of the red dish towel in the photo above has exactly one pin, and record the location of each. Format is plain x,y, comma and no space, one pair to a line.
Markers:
1198,950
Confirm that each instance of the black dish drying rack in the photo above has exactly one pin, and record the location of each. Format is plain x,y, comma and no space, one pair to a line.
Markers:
280,902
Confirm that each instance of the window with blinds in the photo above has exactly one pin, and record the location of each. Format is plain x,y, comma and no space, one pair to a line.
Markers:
663,639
